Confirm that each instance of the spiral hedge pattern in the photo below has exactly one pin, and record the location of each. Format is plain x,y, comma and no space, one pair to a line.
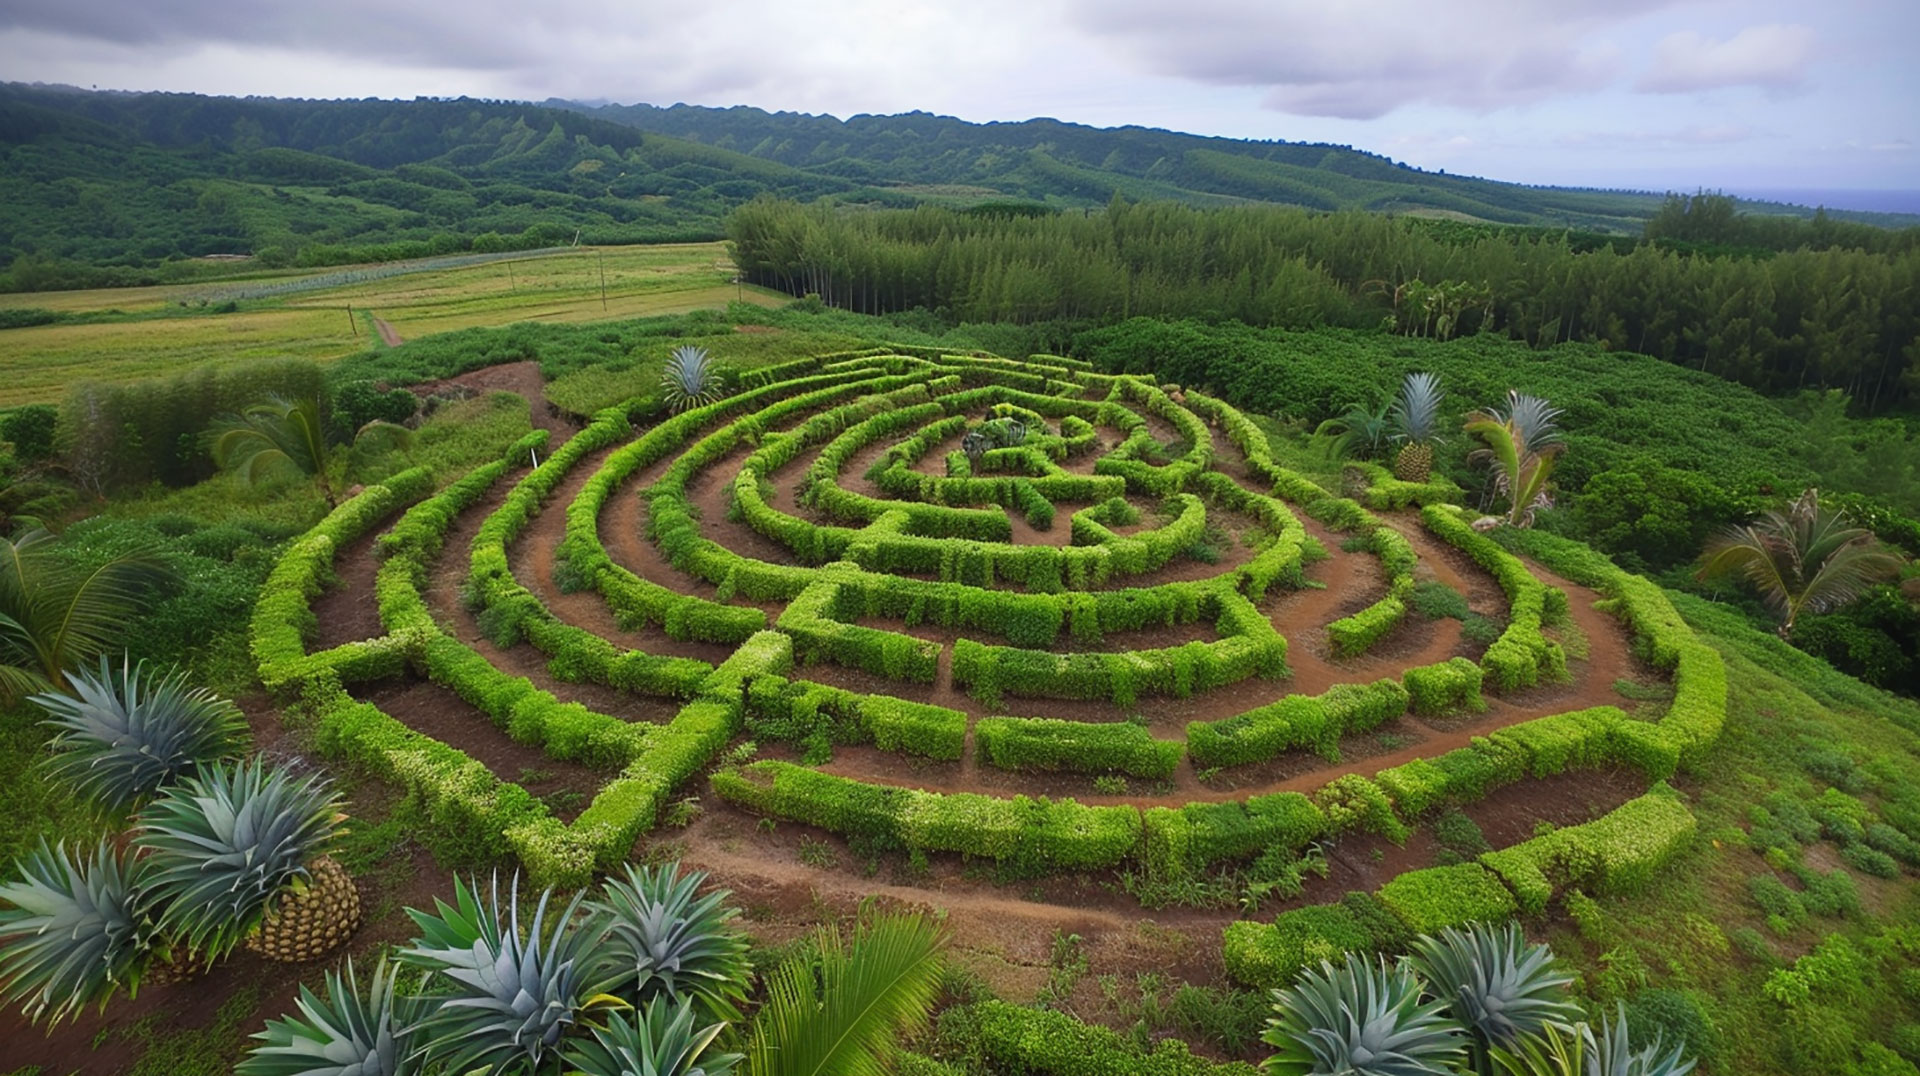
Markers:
894,537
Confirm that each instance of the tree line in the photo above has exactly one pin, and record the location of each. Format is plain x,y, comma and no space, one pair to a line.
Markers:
1835,317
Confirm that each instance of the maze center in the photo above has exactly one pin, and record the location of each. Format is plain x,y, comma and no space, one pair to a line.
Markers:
1045,648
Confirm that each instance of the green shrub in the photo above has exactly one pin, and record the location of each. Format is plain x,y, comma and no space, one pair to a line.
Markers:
1430,900
1012,743
1450,687
1270,955
1040,1042
1675,1018
1353,802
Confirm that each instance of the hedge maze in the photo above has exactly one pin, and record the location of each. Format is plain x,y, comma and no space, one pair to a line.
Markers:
979,568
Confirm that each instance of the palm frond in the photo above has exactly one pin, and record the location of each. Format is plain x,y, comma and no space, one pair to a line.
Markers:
844,1021
52,617
1802,559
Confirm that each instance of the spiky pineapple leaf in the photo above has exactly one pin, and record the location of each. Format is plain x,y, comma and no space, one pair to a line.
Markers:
1416,411
689,380
511,996
1364,1018
122,733
71,932
225,842
347,1033
1495,983
663,1042
660,938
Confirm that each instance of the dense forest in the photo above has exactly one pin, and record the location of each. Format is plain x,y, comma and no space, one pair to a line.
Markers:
1833,317
100,189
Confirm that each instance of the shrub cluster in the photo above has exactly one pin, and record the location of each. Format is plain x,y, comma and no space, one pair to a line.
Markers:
1180,840
1296,721
1025,835
1617,852
1249,646
807,713
809,619
1035,743
1449,687
1522,656
1435,898
1013,1038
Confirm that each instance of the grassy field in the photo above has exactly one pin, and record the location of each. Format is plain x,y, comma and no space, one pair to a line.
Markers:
127,333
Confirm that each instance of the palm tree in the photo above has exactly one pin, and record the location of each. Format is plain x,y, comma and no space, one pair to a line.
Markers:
282,434
1359,433
1806,559
54,618
838,1010
1524,443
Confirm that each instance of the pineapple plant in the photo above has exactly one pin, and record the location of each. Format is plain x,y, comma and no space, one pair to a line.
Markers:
71,930
506,999
660,940
349,1033
662,1042
1416,422
239,853
1366,1018
1496,984
123,733
689,380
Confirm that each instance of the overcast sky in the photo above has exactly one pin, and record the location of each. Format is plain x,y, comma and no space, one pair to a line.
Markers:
1660,94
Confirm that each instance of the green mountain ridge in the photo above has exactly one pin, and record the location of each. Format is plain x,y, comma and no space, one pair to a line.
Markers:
100,188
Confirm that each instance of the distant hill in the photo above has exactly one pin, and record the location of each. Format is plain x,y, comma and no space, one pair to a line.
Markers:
99,188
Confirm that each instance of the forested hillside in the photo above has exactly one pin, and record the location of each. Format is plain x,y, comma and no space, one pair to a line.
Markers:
100,189
132,180
1836,317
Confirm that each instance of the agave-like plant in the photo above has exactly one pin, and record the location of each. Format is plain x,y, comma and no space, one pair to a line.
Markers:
1496,984
1524,443
1806,559
122,733
838,1012
515,995
71,931
1366,1018
689,380
660,939
1416,424
348,1033
1358,433
226,843
1582,1051
662,1042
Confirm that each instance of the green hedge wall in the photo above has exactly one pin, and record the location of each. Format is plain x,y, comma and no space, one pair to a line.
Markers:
1034,743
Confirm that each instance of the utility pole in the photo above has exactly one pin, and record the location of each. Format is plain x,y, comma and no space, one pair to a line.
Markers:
603,280
351,324
512,284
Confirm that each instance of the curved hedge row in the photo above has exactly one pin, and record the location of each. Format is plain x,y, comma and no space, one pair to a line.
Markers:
1521,657
1618,851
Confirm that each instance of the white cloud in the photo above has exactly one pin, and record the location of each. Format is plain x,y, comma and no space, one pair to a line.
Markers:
1773,56
1362,61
